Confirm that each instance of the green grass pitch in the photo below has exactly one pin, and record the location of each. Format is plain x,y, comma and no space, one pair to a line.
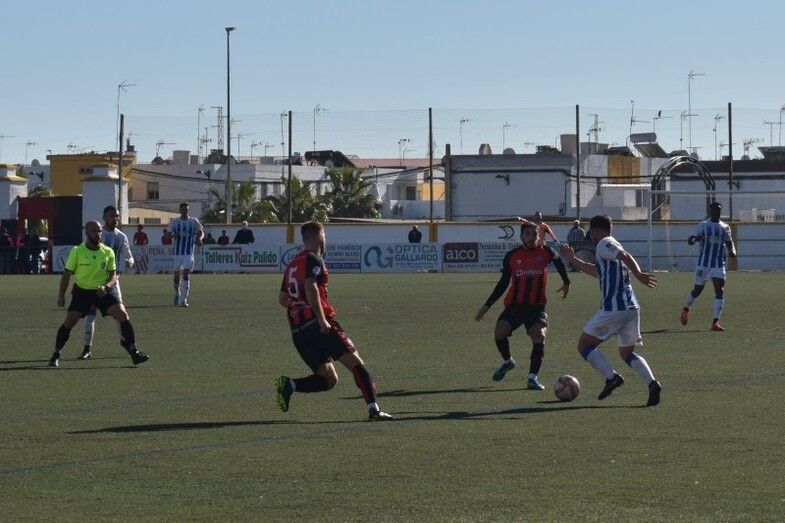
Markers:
195,433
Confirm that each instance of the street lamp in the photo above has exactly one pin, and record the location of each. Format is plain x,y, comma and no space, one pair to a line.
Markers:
316,110
229,29
402,148
464,120
28,144
782,109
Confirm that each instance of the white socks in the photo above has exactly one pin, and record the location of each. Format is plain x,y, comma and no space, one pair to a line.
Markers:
718,304
89,329
641,367
600,363
185,288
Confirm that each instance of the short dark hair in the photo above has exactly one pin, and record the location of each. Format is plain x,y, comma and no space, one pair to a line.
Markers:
184,203
718,205
109,208
601,221
310,229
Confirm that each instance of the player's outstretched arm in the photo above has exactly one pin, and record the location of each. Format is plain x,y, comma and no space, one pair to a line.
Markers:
644,277
569,253
731,248
501,286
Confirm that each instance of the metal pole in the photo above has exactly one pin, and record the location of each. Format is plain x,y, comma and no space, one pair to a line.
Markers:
120,173
289,181
577,161
689,109
228,133
730,154
430,159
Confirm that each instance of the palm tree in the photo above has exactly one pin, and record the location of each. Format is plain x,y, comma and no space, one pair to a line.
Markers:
246,206
305,205
349,195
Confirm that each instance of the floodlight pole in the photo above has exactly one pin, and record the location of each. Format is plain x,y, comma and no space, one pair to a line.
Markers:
228,132
120,172
289,180
730,158
577,162
430,167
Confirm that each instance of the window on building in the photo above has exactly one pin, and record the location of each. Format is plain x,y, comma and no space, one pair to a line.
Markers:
152,191
152,221
411,192
133,221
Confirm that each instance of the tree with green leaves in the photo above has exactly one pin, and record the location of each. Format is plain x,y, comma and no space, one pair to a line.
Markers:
247,206
349,194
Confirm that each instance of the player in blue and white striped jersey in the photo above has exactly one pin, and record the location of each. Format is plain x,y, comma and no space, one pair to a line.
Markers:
116,239
716,245
186,232
619,309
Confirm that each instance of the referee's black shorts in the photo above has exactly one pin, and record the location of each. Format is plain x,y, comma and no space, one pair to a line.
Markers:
82,300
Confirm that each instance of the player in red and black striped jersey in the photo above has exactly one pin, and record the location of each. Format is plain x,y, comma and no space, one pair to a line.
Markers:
525,272
319,339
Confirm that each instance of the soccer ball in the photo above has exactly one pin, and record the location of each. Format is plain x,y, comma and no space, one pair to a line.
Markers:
566,387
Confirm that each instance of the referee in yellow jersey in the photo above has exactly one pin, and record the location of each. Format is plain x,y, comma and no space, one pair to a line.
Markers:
93,266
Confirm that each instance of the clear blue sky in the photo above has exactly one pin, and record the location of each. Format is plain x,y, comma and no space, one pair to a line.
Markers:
63,61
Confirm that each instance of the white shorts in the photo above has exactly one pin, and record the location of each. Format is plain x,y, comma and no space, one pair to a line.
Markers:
184,261
704,274
627,324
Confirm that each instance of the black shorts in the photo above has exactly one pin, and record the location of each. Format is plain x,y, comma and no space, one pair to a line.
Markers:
526,315
316,348
82,300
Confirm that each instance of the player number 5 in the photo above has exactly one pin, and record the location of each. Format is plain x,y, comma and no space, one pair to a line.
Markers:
294,292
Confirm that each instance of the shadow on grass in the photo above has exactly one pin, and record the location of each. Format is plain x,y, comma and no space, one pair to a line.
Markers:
501,414
206,425
94,358
46,366
403,393
400,416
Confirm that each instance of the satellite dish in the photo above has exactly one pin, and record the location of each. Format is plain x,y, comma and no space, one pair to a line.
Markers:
485,149
35,163
508,151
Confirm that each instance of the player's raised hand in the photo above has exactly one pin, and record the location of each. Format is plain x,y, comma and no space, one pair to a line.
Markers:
481,313
649,280
567,251
564,290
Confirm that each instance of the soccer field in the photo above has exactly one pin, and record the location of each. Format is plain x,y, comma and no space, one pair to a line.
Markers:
195,432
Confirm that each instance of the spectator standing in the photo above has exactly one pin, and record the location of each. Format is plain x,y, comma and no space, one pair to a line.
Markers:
140,237
244,235
415,235
576,239
166,239
6,251
223,239
209,240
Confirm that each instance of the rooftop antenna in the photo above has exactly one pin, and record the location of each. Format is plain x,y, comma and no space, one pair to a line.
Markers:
159,144
684,115
199,112
402,148
654,119
765,122
464,120
634,120
316,110
505,126
28,144
717,118
748,143
239,136
782,109
595,128
219,125
528,144
692,74
205,140
2,138
121,87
